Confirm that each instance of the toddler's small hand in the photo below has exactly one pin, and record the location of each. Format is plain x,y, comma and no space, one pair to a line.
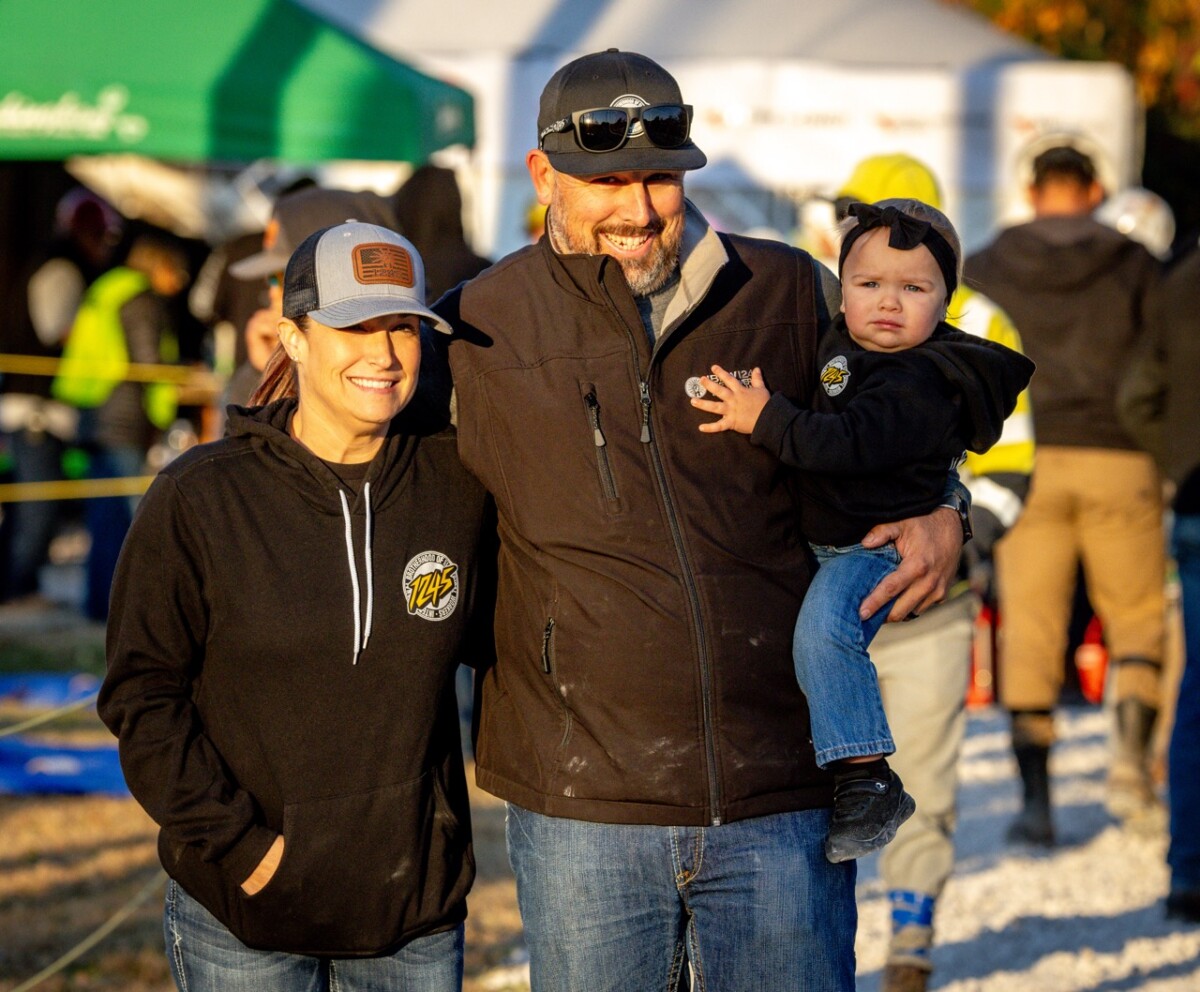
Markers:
736,405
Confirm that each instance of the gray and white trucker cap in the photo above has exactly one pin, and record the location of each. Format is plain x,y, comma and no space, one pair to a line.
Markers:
351,272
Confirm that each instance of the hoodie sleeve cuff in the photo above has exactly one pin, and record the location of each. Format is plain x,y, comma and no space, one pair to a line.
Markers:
774,422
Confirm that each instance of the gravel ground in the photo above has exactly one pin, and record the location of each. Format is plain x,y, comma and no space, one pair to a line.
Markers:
1086,917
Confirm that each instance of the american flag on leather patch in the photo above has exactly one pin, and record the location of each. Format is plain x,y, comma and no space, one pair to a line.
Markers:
380,262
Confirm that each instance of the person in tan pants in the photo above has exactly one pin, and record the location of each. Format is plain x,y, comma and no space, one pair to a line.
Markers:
1078,293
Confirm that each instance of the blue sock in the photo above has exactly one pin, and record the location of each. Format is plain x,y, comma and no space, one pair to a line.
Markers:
910,909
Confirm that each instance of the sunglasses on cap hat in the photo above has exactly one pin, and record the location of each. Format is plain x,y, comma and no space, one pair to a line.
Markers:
605,129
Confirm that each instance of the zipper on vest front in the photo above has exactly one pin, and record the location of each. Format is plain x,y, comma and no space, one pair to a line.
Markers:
689,582
547,647
607,482
645,388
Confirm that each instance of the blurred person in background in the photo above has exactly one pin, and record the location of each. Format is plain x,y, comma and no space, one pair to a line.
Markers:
429,212
1079,292
1160,405
289,608
924,665
227,304
125,318
36,426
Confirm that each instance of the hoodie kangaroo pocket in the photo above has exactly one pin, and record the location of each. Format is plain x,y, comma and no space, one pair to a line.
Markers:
362,872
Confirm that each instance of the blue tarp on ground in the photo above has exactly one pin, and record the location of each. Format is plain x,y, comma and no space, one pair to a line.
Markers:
46,690
27,769
30,767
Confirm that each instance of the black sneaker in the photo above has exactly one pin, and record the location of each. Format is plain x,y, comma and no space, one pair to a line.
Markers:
867,812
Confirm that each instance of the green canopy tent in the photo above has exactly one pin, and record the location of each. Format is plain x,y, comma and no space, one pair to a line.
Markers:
211,81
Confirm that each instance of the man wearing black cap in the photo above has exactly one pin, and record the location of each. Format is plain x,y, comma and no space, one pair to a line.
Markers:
643,721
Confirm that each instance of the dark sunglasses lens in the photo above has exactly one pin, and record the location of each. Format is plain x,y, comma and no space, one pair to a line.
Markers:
666,126
602,130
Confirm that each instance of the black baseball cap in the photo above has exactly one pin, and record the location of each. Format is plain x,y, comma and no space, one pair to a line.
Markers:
296,215
610,79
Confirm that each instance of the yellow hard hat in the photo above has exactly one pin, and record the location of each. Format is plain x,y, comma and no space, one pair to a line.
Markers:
882,177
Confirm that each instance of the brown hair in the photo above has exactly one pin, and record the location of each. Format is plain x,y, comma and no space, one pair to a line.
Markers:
1063,163
279,374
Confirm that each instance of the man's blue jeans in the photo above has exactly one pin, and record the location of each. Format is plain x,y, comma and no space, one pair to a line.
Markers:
206,957
752,904
829,650
1183,783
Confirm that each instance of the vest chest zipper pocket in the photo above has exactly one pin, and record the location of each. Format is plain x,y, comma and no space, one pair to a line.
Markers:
592,406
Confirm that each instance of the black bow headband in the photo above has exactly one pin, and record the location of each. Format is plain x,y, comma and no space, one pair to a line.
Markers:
906,233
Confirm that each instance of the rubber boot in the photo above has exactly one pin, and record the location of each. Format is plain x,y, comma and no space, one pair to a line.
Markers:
1032,735
1131,795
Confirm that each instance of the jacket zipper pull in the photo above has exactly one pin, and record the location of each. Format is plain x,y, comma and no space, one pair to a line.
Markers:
546,635
645,413
593,406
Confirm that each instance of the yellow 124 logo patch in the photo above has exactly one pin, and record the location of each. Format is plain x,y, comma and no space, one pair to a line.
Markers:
431,585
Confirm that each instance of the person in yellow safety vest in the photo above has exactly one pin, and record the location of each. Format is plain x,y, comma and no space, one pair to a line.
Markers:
924,665
125,318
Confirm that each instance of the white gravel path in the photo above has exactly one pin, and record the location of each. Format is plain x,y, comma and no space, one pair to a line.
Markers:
1086,917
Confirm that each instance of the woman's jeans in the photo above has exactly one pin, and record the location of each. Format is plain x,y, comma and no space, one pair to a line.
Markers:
1183,855
829,650
752,904
206,957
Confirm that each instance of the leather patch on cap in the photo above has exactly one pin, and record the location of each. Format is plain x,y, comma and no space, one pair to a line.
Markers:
380,262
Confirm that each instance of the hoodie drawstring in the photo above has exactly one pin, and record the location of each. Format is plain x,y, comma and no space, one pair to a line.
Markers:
360,638
370,572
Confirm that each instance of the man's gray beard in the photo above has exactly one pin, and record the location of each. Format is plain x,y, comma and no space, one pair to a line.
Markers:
642,280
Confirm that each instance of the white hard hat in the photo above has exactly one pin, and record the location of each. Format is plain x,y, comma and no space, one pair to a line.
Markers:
1142,215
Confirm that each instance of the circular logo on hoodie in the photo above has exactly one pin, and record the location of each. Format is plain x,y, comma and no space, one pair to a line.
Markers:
431,585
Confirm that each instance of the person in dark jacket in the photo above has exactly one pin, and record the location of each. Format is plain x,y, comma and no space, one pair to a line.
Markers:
903,396
288,613
429,213
35,427
665,812
1160,405
1079,293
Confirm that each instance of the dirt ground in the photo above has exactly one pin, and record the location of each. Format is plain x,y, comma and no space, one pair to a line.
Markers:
68,863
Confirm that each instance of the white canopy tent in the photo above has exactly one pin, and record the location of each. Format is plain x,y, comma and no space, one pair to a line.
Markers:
788,96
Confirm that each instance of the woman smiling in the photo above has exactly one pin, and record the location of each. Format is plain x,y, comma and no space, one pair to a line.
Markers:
289,610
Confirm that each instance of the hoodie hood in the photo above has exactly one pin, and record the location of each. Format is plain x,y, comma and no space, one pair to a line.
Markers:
989,376
312,477
1058,253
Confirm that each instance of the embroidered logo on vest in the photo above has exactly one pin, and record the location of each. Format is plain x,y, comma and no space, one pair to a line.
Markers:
694,387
